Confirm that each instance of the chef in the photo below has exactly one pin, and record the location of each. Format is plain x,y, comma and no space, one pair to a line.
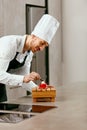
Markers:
16,54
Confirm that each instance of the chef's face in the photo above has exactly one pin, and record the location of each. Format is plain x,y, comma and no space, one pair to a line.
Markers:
37,44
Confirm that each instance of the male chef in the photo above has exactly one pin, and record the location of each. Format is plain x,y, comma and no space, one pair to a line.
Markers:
16,54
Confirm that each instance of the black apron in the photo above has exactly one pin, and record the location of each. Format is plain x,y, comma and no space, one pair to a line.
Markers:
14,64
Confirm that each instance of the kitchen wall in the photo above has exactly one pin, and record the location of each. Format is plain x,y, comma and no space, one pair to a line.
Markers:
55,57
1,18
13,17
68,51
74,26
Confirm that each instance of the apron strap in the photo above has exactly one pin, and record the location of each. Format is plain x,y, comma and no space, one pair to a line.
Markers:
14,64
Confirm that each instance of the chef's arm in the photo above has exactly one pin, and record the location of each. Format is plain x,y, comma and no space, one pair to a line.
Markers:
11,79
29,86
19,76
17,80
26,70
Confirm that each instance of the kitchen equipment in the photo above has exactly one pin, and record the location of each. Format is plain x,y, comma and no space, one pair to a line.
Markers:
24,108
14,113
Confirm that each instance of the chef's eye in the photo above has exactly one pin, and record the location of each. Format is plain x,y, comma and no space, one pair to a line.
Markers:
42,43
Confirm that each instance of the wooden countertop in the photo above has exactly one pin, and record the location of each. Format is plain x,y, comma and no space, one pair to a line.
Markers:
71,113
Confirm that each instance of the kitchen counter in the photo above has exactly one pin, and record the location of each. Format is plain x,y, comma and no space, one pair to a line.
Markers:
71,113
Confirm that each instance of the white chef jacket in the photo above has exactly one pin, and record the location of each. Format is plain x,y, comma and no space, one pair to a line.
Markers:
9,45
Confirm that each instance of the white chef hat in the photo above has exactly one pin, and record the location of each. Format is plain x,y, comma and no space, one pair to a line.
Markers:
46,28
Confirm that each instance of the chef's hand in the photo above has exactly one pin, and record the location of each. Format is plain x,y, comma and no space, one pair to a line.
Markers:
31,77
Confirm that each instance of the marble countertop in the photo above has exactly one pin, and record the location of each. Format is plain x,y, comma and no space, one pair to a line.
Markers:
71,113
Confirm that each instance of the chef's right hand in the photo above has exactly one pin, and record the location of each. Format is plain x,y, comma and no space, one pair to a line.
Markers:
31,77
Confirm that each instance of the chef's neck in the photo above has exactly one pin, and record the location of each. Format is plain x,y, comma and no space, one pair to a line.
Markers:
27,43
